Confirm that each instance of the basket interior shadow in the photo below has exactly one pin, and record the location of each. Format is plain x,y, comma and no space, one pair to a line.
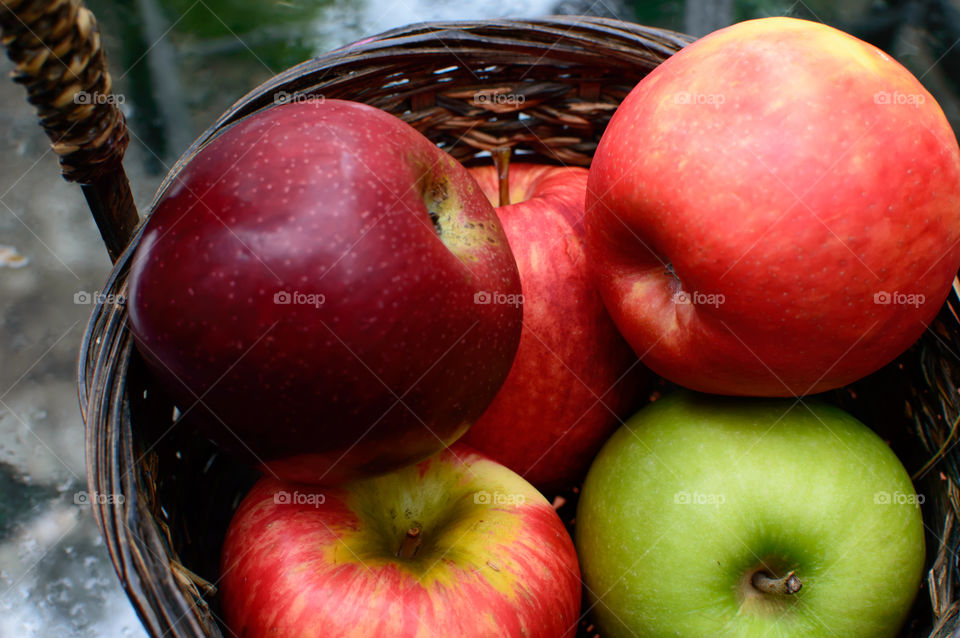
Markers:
179,492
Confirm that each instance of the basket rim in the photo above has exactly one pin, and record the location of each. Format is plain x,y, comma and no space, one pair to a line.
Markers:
382,47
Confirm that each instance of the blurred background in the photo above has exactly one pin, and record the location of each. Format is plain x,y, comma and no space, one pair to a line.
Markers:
177,64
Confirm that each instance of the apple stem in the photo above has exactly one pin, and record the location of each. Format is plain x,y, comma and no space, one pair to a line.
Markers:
785,586
410,544
501,159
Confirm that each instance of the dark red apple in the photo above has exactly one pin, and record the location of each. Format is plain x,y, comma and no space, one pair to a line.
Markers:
574,375
307,290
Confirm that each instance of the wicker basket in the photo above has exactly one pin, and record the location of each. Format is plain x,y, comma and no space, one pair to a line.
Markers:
165,536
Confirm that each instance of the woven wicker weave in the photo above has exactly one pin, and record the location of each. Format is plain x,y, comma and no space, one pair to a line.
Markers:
572,72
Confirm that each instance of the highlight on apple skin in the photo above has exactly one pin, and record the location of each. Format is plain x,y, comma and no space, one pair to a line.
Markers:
307,289
774,211
457,545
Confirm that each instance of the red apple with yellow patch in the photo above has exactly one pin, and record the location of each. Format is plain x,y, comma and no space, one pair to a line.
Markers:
574,376
457,545
775,211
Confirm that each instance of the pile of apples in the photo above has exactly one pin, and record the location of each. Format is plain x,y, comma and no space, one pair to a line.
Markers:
772,212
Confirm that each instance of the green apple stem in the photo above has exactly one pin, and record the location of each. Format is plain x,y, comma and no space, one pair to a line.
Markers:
410,544
785,586
501,159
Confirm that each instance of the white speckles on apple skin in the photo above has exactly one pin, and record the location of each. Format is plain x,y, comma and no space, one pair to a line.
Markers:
398,317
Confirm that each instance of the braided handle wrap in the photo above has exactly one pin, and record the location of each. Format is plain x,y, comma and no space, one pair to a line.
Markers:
56,47
59,59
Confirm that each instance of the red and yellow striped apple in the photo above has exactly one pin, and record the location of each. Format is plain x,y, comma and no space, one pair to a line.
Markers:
458,545
774,210
574,376
306,290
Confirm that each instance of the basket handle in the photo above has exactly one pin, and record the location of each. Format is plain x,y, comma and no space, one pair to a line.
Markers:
59,58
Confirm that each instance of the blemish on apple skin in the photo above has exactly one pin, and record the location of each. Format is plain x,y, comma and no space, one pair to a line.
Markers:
435,220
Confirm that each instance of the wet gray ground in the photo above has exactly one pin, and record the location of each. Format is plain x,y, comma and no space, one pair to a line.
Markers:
178,63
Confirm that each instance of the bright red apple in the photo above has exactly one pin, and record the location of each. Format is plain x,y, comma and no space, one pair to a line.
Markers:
774,210
455,546
306,288
574,376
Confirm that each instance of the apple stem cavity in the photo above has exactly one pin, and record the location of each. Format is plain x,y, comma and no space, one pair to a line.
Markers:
501,159
411,543
764,582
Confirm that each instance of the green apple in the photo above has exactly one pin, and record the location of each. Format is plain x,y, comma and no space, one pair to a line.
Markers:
715,516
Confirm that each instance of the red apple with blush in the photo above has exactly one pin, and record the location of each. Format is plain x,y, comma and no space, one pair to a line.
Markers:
775,211
574,376
457,545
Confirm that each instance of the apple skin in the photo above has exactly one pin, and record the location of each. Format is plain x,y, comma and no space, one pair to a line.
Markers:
695,490
574,377
779,166
305,569
391,358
